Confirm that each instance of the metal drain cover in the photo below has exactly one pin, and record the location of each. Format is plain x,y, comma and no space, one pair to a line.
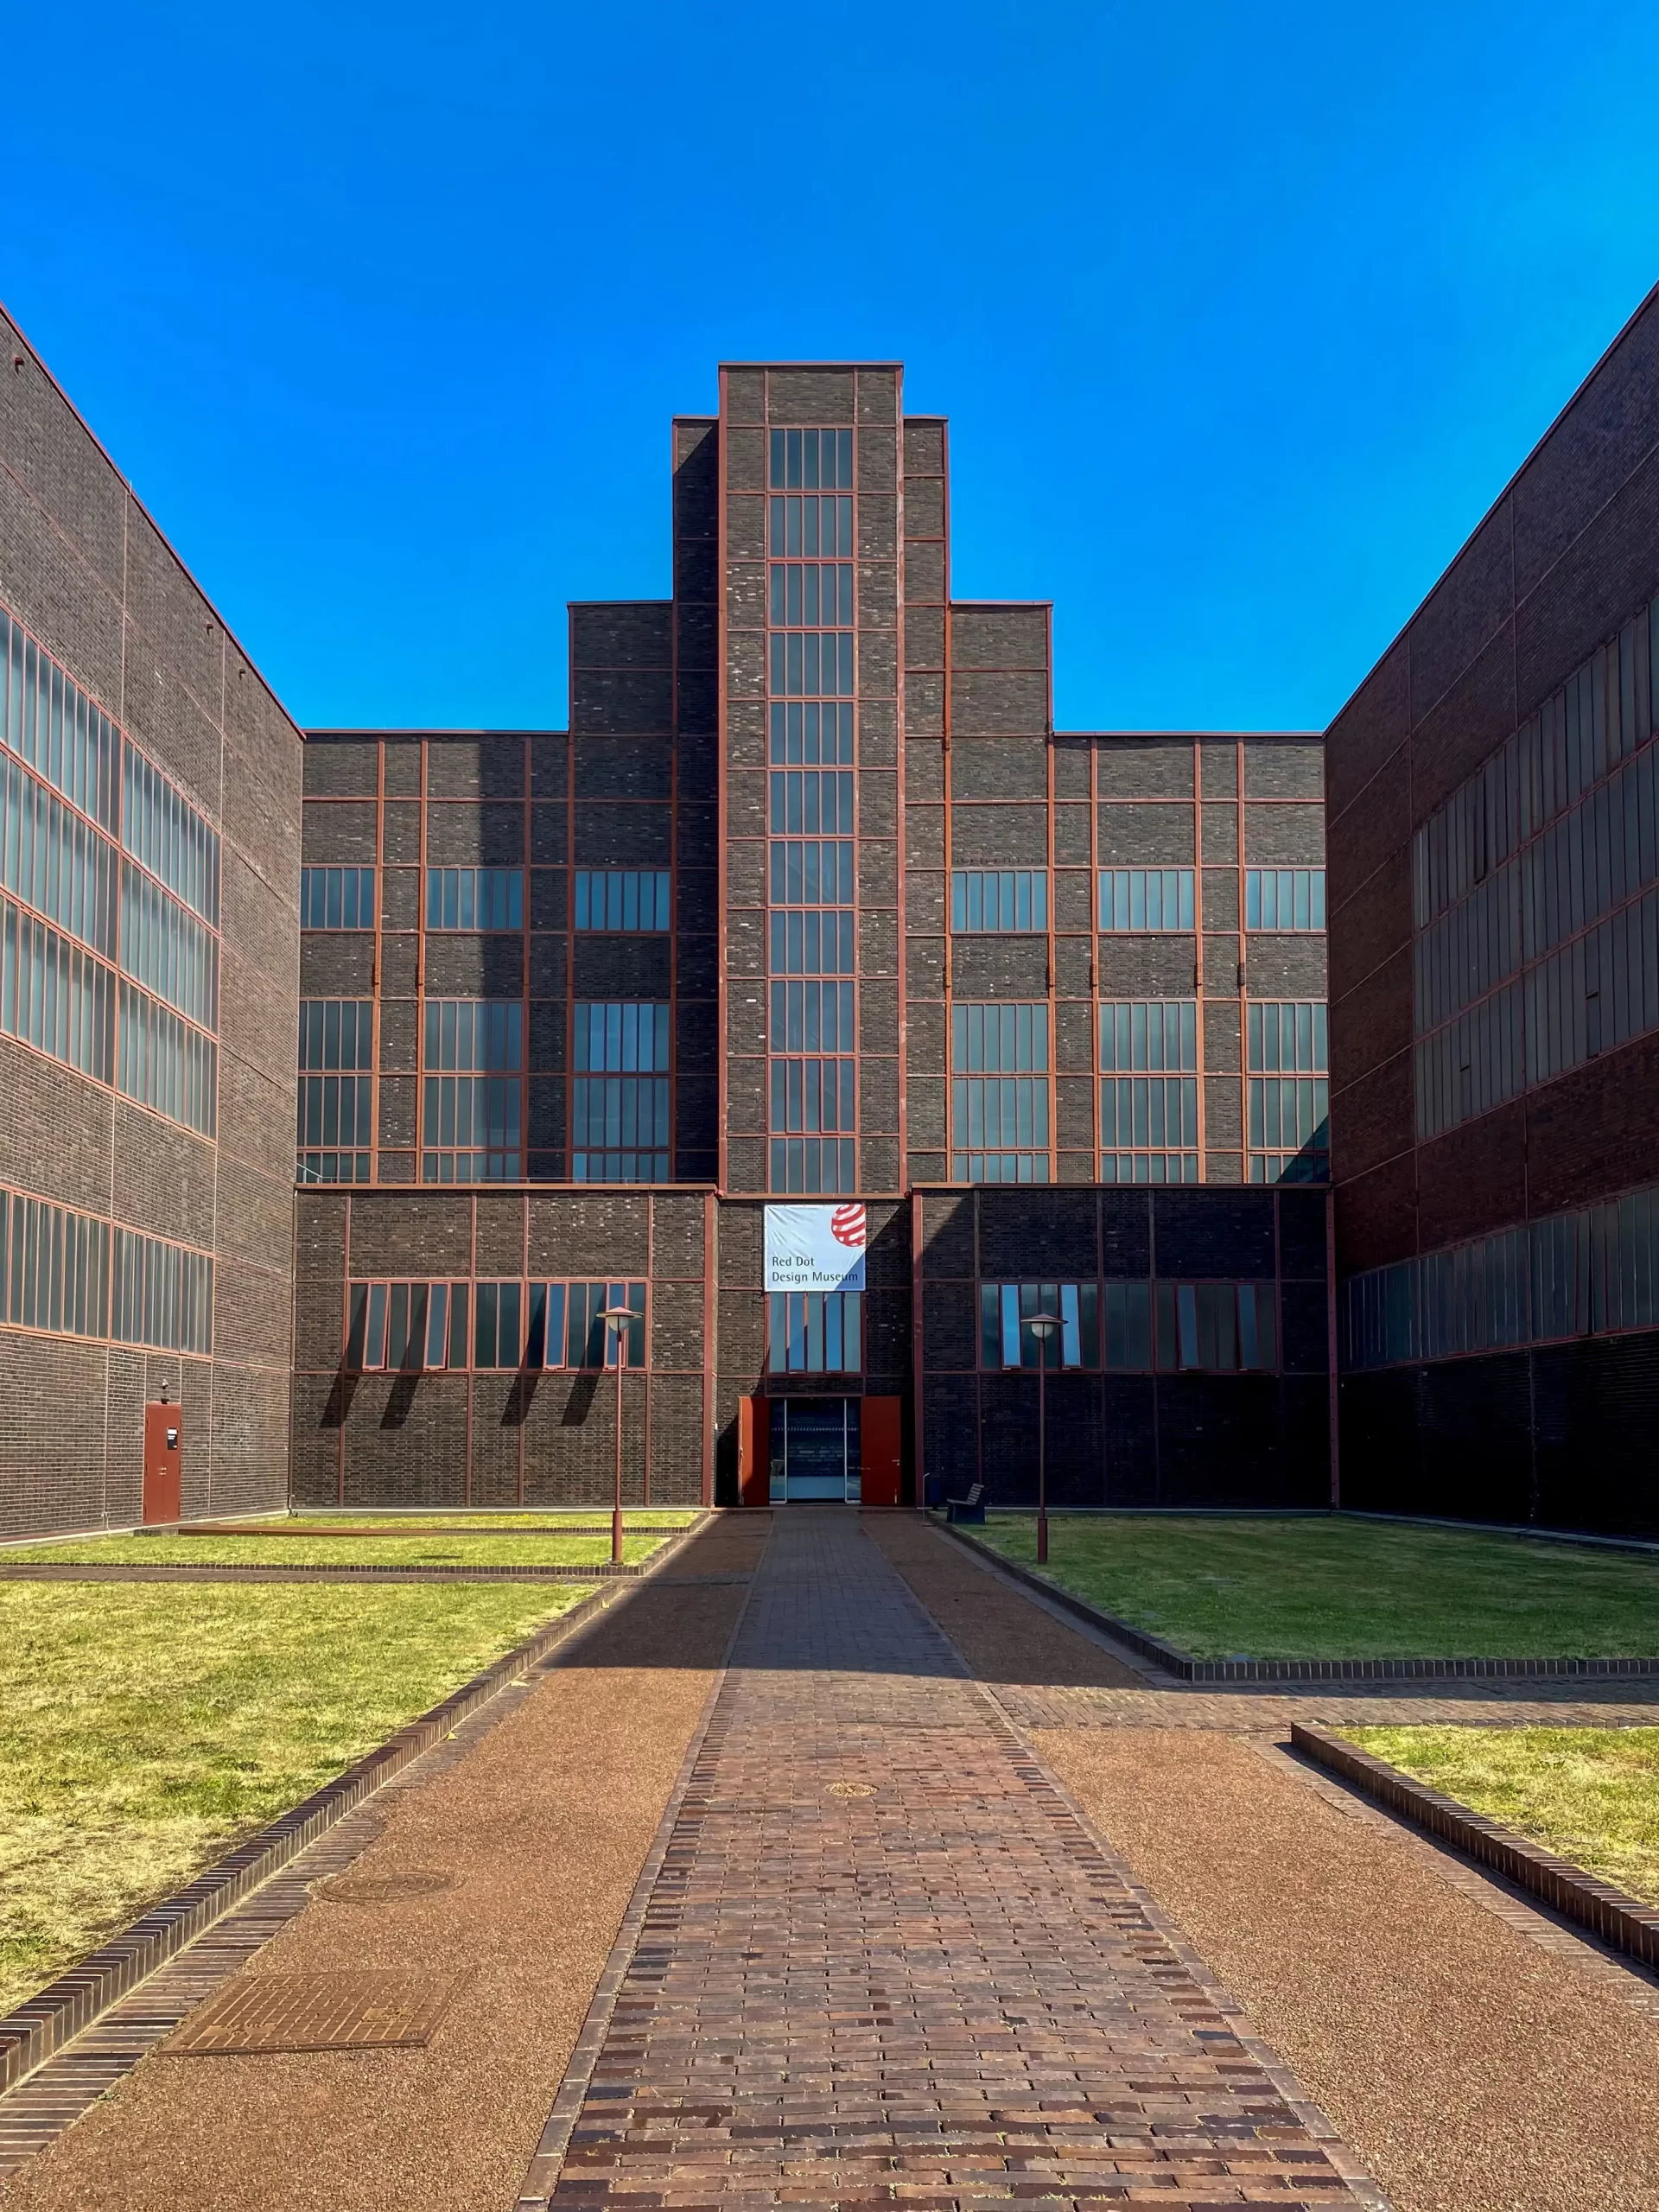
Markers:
316,2011
392,1887
852,1789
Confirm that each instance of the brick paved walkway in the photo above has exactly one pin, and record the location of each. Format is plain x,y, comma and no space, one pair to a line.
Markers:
883,1962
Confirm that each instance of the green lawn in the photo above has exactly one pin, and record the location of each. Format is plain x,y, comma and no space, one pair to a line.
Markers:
394,1549
1328,1587
145,1728
1589,1795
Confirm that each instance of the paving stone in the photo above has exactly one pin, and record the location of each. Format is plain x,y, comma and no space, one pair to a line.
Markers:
941,1994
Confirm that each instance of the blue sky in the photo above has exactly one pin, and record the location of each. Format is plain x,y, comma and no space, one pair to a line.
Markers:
1241,316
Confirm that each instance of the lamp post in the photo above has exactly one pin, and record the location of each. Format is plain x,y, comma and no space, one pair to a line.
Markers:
1042,1326
616,1318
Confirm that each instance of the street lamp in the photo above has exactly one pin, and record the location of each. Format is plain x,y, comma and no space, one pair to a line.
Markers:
617,1318
1042,1326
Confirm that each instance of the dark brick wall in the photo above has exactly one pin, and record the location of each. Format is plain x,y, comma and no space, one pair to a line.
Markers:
1567,553
1117,1438
85,569
490,1438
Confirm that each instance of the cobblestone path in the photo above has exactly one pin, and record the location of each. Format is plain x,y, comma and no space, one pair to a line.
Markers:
882,1960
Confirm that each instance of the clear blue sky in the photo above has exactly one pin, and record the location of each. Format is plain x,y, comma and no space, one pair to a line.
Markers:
1242,314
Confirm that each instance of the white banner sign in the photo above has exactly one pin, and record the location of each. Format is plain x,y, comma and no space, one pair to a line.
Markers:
815,1247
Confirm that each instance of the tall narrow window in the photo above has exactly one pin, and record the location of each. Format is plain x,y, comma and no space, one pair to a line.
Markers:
1148,1099
1289,1099
619,1093
999,1093
472,1106
815,1332
336,1090
812,676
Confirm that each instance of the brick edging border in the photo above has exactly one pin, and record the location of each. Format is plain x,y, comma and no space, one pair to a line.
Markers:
1621,1921
65,2008
1188,1669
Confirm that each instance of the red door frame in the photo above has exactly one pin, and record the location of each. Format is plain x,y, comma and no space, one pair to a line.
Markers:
162,1497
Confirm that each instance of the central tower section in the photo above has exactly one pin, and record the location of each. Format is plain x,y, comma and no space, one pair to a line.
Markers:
811,650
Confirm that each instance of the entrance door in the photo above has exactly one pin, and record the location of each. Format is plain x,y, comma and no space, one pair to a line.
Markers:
164,1463
815,1450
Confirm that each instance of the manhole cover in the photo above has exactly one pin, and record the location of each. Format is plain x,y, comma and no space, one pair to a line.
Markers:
852,1789
389,1888
315,2012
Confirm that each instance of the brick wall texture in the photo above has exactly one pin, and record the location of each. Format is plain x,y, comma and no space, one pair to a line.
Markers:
85,569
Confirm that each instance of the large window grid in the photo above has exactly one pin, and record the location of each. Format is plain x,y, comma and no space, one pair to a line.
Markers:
1288,1091
336,898
472,1105
336,1090
160,1294
54,1267
1284,899
1148,1099
1132,1327
487,898
426,1327
164,1063
1537,938
812,878
999,1093
1592,1271
59,854
1004,899
815,1332
619,1093
623,901
70,1274
1149,1128
165,947
56,861
812,735
1006,1313
1150,899
54,996
48,721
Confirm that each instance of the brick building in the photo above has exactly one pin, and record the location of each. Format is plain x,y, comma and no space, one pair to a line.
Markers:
149,931
1495,1000
810,905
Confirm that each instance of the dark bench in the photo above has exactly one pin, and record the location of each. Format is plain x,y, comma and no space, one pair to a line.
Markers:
970,1508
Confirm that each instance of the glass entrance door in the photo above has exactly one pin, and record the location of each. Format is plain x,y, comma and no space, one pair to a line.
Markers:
815,1450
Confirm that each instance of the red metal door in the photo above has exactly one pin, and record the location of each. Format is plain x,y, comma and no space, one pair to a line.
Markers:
163,1464
753,1464
880,1451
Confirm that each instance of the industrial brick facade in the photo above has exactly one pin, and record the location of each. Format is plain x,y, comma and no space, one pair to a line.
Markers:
812,848
112,646
1495,1000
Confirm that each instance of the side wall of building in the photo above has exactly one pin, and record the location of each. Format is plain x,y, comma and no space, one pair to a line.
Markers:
1494,1034
86,572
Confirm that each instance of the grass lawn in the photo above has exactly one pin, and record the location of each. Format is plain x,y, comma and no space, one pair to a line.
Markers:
145,1728
1334,1588
1589,1795
393,1549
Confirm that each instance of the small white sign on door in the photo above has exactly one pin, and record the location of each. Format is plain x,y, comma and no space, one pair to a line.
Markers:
815,1247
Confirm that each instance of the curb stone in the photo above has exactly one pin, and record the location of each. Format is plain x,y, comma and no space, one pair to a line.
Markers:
1621,1921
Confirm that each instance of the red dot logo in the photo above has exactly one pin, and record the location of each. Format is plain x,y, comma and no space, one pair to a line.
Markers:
846,1225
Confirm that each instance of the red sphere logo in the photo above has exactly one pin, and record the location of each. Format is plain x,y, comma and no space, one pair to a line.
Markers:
846,1225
